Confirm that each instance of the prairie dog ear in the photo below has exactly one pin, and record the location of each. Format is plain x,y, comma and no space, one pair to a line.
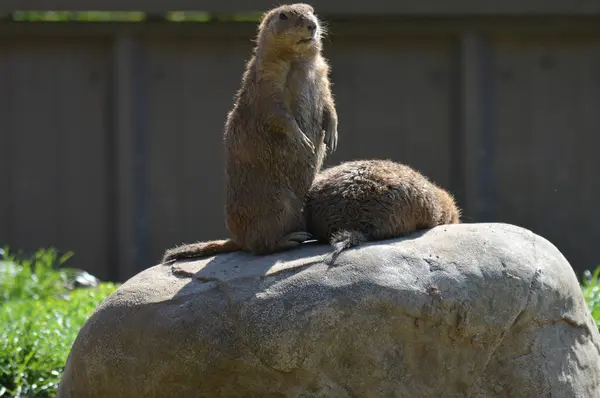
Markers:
268,19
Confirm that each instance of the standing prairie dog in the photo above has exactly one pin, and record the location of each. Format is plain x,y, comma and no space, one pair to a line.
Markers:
366,200
275,137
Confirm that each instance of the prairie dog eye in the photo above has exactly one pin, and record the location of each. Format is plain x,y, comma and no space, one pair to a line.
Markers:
282,16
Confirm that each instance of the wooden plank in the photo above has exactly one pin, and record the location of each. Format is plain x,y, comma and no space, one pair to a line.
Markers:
471,124
131,126
205,93
393,101
36,181
83,153
55,149
188,104
548,96
140,155
166,86
6,161
123,113
340,7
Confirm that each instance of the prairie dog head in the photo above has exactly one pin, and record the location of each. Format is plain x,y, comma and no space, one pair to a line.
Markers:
294,27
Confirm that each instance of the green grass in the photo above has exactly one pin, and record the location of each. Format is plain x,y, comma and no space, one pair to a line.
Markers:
40,318
36,337
32,278
591,292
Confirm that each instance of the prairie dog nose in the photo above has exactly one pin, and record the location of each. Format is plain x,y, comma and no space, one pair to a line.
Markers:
311,26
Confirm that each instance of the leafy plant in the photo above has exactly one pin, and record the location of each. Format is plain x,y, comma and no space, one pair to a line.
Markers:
34,278
591,291
40,316
36,338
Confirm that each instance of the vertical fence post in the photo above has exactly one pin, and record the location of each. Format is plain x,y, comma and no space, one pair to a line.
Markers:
477,127
131,141
7,160
140,155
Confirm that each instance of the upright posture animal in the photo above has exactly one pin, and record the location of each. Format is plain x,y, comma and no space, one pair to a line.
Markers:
275,137
366,200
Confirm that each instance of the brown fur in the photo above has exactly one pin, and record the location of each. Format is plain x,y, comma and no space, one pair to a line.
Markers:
367,200
275,137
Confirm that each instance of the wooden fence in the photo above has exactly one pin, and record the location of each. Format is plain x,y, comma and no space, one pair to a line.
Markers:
111,132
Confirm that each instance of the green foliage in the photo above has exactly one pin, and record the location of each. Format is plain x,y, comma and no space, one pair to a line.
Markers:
128,16
83,16
36,338
591,292
40,318
32,278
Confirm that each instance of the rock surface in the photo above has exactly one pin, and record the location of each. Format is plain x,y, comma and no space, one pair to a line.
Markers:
467,310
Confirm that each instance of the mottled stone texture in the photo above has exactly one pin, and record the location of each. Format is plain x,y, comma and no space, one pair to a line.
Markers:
468,310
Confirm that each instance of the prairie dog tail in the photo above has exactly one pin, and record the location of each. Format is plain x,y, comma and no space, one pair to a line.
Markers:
200,249
343,240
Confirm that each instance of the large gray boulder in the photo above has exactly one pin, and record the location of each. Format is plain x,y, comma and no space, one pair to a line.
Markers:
467,310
